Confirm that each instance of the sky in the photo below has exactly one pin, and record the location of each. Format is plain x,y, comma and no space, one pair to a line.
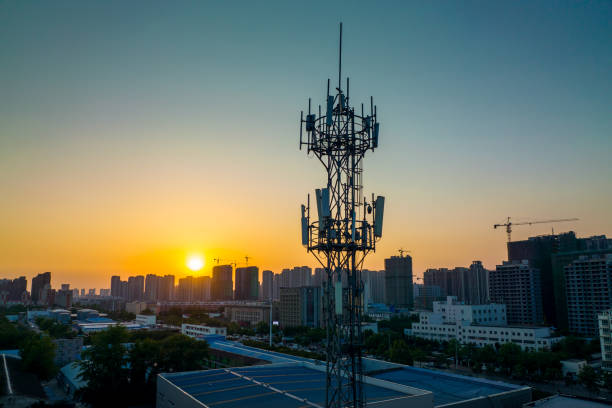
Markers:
133,134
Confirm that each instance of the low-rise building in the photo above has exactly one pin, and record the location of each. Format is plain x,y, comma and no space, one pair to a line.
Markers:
480,325
572,366
199,331
67,350
136,307
251,313
146,320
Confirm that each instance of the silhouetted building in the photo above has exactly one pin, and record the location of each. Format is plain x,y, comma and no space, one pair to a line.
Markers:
469,285
166,288
40,283
517,285
247,283
13,290
589,292
152,284
135,288
300,307
373,286
115,286
398,281
267,278
201,288
63,297
222,284
185,289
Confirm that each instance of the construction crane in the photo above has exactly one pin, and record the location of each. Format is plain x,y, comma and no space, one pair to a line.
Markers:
402,251
509,224
218,260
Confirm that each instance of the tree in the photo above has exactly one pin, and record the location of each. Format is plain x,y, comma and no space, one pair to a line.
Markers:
509,355
104,368
400,353
182,353
262,328
588,377
37,356
607,380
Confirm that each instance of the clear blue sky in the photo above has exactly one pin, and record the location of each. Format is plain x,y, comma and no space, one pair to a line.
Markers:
130,131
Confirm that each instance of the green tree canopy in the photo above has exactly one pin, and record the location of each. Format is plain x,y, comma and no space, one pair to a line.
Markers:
37,356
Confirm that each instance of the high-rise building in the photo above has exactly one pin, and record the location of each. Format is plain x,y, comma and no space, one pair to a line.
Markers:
222,283
469,285
301,307
116,286
374,286
63,297
593,246
538,250
13,290
589,292
185,289
166,288
267,278
276,285
38,286
247,283
152,283
398,281
318,277
517,285
135,288
201,288
605,338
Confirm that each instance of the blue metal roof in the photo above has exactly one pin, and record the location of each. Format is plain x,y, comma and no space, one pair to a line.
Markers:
446,388
241,349
263,386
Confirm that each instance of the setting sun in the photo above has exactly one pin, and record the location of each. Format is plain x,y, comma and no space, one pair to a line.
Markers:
195,262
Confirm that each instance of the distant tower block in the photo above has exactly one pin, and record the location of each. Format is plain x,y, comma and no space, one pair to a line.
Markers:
343,231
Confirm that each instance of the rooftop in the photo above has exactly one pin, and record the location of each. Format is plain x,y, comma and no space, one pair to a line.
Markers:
267,386
446,388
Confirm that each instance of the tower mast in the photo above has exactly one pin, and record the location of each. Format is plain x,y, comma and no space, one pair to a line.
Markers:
344,231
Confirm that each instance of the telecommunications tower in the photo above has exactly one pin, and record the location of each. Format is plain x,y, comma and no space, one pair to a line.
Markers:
344,230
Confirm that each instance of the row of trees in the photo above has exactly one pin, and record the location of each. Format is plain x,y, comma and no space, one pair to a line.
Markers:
119,374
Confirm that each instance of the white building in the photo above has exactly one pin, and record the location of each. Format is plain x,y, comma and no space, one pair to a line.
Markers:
197,331
146,320
605,337
480,325
572,366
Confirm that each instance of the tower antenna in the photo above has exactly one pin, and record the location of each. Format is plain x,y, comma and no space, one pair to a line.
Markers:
345,230
340,61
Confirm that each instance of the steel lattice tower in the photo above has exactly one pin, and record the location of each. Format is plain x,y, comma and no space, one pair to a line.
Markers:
345,231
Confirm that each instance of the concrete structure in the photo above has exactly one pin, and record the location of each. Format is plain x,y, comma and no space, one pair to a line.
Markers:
146,320
517,285
63,297
572,366
67,350
301,306
424,296
152,287
135,288
136,307
14,290
248,313
222,283
38,285
589,292
247,283
398,281
267,285
469,285
480,325
200,331
69,379
605,338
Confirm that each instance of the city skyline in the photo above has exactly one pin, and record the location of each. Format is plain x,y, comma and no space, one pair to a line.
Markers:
152,143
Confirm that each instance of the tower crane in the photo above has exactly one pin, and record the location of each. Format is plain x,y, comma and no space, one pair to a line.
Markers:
402,251
218,260
509,224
